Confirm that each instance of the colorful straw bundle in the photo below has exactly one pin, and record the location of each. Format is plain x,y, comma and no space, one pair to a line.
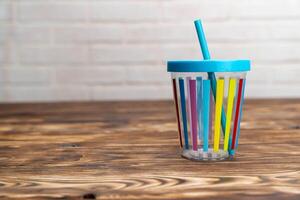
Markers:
200,119
199,95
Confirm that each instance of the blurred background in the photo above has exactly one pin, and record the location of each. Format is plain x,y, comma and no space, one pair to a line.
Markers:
72,50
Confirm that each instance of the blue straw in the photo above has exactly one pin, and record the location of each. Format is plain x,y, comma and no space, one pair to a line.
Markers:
199,102
183,112
206,56
202,39
205,113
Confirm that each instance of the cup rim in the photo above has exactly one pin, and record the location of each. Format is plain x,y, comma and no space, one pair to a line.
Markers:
208,65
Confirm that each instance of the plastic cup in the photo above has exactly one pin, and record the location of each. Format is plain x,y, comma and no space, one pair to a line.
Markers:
208,123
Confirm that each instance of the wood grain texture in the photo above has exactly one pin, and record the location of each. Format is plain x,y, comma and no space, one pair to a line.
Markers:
129,150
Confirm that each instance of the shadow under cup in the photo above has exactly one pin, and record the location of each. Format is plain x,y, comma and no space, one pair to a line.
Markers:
208,97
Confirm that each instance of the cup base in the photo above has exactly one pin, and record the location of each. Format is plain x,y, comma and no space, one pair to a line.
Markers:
209,155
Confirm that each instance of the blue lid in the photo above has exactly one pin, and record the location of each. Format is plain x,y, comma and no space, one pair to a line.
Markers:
208,65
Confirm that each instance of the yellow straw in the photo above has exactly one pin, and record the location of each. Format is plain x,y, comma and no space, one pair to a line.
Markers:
231,94
219,103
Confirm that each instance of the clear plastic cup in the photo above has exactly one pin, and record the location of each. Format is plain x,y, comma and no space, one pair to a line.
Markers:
209,97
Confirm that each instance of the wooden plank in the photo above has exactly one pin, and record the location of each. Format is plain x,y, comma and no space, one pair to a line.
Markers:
129,150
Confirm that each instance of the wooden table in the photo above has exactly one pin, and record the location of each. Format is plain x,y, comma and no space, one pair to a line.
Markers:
129,150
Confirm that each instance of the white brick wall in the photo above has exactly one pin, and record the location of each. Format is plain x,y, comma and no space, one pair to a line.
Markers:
58,50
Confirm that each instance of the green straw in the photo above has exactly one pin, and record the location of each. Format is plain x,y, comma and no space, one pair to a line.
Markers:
206,56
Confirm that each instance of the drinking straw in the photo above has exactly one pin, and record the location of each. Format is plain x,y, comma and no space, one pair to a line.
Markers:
199,102
193,104
219,103
211,110
183,113
206,113
231,94
237,113
206,56
177,110
239,122
188,104
231,151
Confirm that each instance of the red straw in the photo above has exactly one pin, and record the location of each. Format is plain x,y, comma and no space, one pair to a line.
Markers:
237,113
177,111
